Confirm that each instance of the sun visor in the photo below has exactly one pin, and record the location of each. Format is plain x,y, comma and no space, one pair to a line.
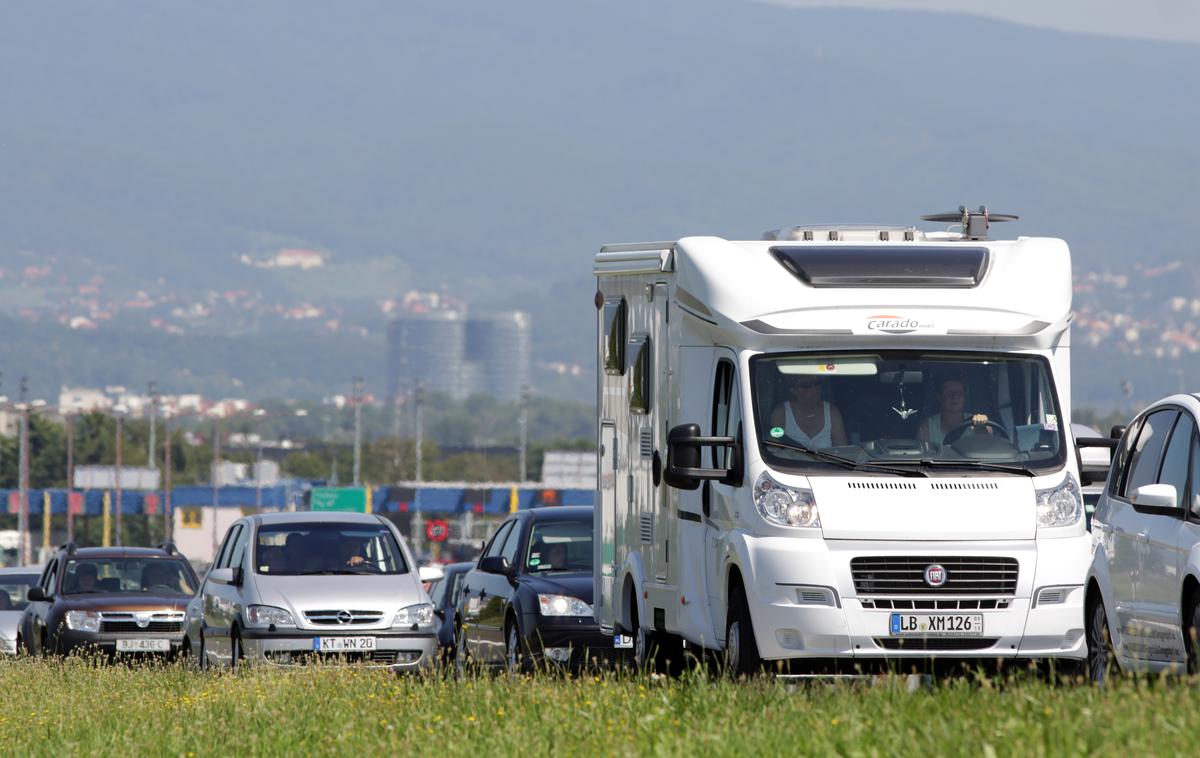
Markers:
885,266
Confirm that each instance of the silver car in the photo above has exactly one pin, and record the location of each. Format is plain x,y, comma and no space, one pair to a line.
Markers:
14,583
288,588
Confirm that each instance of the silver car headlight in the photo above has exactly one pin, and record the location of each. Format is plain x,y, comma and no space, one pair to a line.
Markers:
562,605
262,616
785,506
83,621
414,615
1061,505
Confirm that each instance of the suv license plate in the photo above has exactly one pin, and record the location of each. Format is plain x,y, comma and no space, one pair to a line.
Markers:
343,644
142,645
622,642
936,625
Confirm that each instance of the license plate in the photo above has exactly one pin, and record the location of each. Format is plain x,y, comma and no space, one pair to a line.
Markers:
622,642
142,645
936,625
343,644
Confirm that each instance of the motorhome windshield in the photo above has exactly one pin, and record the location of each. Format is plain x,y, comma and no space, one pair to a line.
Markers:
936,413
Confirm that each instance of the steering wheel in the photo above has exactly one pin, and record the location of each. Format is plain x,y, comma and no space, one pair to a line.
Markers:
954,434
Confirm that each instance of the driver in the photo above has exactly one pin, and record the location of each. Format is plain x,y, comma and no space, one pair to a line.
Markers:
808,419
952,399
351,550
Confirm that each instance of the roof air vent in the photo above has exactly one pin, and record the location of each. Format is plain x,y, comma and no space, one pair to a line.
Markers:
974,223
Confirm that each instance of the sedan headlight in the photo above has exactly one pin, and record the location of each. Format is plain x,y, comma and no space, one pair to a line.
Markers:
1061,505
263,616
419,615
785,506
83,621
562,605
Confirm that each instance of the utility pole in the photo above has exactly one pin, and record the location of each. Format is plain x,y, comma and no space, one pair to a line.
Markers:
69,421
119,412
23,476
168,522
358,388
150,451
420,428
524,426
216,470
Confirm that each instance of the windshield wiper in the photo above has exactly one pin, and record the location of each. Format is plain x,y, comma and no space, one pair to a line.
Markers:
966,463
846,463
329,571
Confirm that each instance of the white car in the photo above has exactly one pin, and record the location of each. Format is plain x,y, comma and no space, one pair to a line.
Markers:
14,583
291,587
1142,609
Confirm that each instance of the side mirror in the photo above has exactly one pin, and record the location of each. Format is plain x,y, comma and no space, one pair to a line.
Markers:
683,470
35,595
1155,496
431,573
1117,432
223,576
495,564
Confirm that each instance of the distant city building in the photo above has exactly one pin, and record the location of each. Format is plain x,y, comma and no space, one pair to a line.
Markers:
83,400
433,342
565,469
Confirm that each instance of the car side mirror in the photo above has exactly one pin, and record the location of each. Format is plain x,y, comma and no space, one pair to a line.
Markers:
1117,432
495,564
431,573
683,470
226,576
1156,496
35,595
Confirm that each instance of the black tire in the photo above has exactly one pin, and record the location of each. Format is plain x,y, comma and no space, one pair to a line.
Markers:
202,658
516,652
643,641
741,649
1191,633
462,659
236,654
1100,659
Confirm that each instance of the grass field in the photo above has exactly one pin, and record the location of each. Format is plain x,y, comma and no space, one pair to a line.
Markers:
72,707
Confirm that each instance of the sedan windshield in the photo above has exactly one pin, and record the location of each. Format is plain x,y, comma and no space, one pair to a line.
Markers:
560,546
906,412
13,588
156,576
327,548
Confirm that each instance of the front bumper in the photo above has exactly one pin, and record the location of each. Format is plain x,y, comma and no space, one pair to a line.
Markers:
789,626
75,641
407,651
573,641
7,646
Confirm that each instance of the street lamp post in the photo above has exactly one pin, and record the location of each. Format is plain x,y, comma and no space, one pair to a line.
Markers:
524,426
23,484
168,523
216,478
119,414
69,422
358,386
420,430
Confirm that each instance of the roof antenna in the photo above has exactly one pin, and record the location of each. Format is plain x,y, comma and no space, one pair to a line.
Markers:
974,223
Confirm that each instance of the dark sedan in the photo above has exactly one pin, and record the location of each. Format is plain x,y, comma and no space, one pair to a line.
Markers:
444,593
529,598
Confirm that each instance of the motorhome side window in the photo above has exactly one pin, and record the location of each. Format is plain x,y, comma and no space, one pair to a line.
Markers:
639,375
726,413
941,412
614,336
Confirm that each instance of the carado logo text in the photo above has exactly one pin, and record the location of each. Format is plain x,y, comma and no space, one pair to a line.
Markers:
893,324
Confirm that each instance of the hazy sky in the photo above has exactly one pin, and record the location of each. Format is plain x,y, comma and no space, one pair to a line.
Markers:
1177,20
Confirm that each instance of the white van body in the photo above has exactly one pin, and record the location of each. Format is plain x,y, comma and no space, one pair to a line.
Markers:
702,329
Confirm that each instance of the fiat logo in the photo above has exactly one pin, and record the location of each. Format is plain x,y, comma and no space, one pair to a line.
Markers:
344,617
935,575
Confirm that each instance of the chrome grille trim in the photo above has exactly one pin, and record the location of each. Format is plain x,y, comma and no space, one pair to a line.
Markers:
905,575
330,617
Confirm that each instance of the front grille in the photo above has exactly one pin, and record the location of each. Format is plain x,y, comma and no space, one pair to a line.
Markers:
343,617
132,626
975,604
905,575
936,643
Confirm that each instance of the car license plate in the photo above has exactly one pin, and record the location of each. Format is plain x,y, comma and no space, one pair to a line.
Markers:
936,625
143,645
343,644
622,642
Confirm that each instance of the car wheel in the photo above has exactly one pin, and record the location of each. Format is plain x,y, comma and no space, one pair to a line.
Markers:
642,641
236,654
202,657
741,649
462,661
1191,633
516,659
1099,644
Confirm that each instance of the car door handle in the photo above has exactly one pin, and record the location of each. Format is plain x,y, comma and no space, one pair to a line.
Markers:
1143,536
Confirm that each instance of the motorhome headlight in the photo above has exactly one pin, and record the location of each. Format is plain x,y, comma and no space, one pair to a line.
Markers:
263,616
562,605
420,614
785,506
83,621
1061,505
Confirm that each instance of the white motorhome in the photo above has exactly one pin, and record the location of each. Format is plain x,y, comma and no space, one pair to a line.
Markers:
839,443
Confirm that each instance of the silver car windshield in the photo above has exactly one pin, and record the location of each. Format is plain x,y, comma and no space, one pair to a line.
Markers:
13,588
327,548
917,411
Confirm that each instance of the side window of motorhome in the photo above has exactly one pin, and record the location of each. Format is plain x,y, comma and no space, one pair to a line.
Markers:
614,337
639,375
726,412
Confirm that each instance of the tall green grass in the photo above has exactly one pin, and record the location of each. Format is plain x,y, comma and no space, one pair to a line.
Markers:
72,707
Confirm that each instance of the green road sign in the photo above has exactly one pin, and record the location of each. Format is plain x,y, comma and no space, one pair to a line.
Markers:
339,499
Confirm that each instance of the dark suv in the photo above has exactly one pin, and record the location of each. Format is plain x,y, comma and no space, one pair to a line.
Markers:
109,600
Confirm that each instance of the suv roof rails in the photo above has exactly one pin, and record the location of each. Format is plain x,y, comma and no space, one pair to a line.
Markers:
168,546
974,223
70,547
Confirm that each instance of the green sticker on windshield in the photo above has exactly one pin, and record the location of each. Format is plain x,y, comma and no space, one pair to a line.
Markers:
534,561
777,431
